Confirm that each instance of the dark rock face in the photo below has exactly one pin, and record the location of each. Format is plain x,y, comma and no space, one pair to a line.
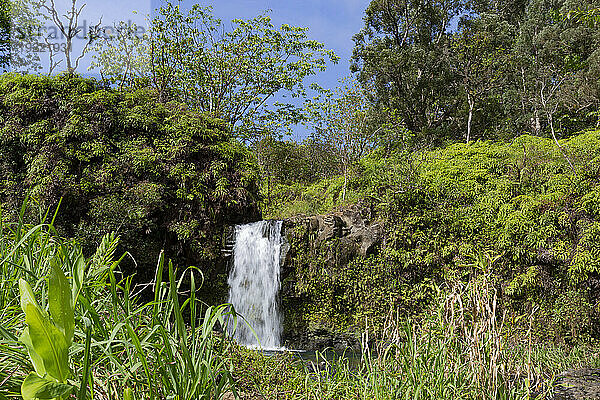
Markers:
321,339
582,384
352,226
335,239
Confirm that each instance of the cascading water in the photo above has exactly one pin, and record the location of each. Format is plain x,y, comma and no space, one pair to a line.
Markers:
254,283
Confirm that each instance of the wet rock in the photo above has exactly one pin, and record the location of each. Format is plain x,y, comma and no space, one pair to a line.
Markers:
582,384
352,225
321,339
328,242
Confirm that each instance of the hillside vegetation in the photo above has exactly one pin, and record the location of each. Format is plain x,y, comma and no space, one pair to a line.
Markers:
518,204
156,174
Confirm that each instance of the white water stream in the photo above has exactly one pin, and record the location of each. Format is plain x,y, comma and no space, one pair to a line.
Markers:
254,283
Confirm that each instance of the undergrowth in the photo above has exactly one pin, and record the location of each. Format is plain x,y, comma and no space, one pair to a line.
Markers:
171,347
122,347
463,349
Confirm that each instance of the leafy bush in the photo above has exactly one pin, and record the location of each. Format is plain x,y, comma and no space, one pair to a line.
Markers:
158,175
442,207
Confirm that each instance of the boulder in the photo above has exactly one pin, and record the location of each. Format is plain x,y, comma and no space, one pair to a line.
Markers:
352,224
581,384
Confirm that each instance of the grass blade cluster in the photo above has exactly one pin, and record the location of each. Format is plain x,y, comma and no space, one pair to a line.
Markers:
122,346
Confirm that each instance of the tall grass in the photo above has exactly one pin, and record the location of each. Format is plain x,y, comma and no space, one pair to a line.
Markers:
462,349
123,347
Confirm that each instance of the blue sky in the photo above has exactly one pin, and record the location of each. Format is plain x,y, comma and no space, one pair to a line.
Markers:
332,22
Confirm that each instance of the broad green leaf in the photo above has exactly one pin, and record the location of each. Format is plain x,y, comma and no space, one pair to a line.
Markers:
36,360
128,394
36,387
78,274
27,296
59,301
49,342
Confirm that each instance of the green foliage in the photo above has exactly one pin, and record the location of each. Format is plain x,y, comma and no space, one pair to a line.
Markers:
269,376
231,72
296,198
460,349
187,361
508,68
288,162
346,120
520,200
402,50
4,33
89,326
591,15
29,254
160,176
21,22
123,55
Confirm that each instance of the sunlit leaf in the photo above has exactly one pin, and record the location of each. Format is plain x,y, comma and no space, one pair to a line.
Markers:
49,343
36,360
59,301
36,387
27,296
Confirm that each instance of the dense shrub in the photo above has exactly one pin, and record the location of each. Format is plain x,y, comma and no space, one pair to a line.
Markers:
519,202
157,174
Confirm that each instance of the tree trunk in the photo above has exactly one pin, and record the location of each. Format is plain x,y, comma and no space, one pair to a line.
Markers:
471,105
345,183
551,121
536,125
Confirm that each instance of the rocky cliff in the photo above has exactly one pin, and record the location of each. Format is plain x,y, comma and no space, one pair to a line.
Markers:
322,245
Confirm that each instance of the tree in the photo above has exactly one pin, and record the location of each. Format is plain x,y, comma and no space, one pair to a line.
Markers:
582,93
478,56
229,73
69,29
22,49
513,66
4,34
557,63
123,55
403,48
26,37
342,118
289,162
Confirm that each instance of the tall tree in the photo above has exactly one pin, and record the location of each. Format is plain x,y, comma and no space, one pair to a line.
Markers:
478,58
341,117
68,26
229,73
122,54
404,49
23,44
4,34
556,56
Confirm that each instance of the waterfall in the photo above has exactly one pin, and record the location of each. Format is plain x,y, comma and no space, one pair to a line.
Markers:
254,282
